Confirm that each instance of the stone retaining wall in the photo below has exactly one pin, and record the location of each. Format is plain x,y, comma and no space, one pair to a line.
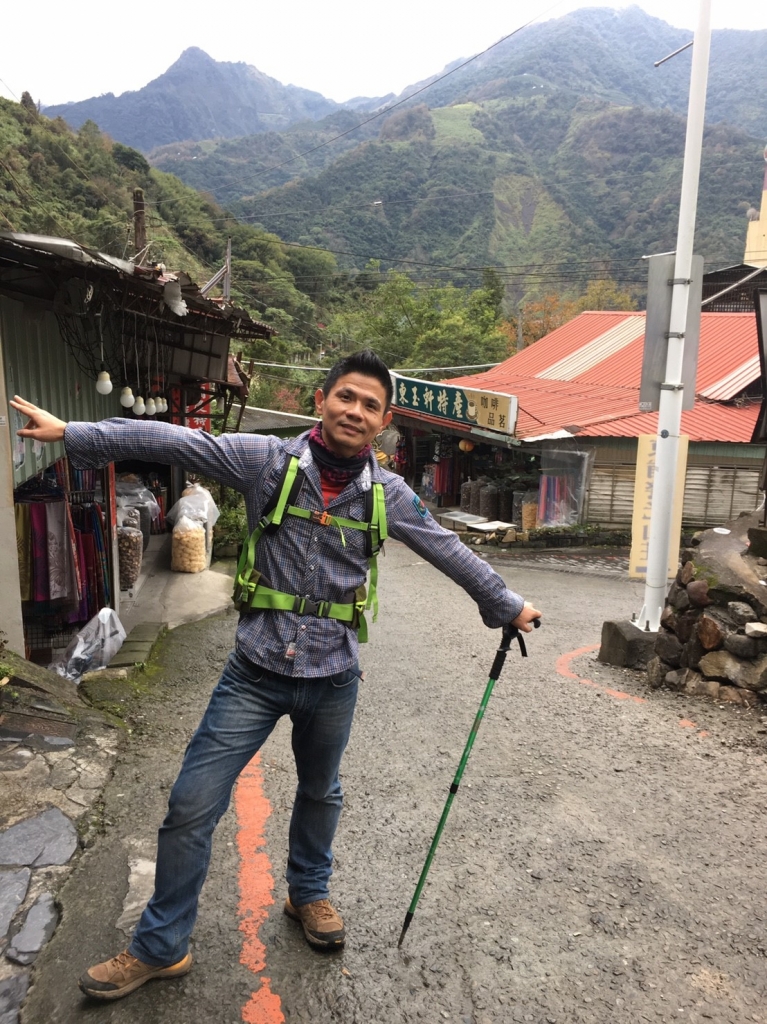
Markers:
709,642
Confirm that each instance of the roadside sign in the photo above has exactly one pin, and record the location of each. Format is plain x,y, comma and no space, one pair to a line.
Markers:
490,409
640,521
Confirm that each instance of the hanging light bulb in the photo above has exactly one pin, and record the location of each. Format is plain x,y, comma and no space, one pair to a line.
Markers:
162,405
151,406
104,382
138,407
126,398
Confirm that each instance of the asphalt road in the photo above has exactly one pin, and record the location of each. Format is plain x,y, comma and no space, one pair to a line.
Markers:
603,862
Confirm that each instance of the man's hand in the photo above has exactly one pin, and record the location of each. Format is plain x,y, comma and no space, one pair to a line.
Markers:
523,621
41,425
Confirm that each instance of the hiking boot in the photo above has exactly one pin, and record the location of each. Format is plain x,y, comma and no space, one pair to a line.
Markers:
322,924
123,974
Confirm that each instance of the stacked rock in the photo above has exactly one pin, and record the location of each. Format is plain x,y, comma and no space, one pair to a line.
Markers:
709,644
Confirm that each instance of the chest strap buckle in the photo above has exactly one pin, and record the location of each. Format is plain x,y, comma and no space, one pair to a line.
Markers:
323,518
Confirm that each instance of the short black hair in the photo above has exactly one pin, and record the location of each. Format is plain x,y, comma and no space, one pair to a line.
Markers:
365,362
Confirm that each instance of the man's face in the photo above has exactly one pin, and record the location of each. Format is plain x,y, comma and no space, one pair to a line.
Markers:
353,413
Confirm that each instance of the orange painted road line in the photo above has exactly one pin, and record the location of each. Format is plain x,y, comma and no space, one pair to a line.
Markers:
256,886
563,668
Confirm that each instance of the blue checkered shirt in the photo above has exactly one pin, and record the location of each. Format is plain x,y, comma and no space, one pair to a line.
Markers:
302,557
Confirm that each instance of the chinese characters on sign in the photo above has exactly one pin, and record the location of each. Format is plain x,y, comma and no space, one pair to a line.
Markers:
643,487
461,405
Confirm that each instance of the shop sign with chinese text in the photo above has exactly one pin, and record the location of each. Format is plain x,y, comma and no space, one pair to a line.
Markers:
488,409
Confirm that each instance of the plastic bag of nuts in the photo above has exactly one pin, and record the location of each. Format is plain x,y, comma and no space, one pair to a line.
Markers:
130,550
188,553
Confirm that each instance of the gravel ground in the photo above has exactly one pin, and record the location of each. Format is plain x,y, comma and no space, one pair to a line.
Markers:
602,862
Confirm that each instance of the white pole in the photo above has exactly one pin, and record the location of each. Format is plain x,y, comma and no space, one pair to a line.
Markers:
671,396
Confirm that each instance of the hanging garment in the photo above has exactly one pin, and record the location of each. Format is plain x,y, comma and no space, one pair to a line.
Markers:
40,591
61,582
73,557
24,546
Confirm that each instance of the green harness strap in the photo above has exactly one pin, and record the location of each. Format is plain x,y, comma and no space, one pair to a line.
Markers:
250,594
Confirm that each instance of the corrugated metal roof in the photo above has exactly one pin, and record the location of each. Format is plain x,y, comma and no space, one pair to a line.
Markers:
602,399
584,377
705,422
734,382
549,405
609,343
727,342
727,358
562,342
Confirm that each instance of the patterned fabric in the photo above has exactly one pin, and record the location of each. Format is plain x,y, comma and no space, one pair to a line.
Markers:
24,545
40,592
303,557
60,580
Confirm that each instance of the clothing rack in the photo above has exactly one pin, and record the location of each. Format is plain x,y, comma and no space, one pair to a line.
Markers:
61,534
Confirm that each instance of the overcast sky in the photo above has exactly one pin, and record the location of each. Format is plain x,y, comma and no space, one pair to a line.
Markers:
342,48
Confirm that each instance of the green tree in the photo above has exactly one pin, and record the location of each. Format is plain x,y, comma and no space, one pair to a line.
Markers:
604,294
422,326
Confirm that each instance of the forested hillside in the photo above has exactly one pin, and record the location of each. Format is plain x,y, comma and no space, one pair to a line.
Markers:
611,55
544,188
80,186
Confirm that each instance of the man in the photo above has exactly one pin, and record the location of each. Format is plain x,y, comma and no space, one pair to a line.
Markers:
296,644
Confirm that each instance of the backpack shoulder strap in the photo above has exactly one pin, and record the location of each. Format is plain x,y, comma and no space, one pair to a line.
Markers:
284,494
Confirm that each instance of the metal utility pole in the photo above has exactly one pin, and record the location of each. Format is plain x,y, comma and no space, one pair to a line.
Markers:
139,224
672,390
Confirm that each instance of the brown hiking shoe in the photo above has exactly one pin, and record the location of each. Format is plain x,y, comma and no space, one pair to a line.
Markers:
123,974
322,924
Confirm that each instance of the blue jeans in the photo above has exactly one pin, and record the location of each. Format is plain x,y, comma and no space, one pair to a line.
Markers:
244,708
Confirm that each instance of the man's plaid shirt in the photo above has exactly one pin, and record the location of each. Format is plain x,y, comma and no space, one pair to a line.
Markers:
302,557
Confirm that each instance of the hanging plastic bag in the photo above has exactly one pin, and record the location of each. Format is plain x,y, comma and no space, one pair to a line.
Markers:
189,547
93,647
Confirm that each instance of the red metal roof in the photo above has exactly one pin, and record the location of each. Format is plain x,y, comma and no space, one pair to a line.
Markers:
706,421
597,358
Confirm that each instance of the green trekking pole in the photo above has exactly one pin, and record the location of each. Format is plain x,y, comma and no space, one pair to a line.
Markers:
509,633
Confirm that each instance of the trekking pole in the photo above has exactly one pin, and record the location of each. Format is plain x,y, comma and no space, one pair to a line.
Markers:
510,633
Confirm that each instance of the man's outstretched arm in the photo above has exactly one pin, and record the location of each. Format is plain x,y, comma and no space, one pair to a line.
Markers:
232,459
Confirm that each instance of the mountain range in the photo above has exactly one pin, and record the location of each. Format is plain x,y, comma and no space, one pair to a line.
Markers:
560,147
198,98
598,52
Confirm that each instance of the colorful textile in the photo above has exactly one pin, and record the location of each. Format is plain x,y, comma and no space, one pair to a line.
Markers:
74,560
39,524
81,613
61,584
24,545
